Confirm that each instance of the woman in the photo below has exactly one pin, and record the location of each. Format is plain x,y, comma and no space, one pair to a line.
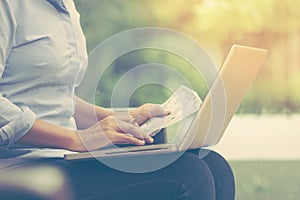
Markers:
42,49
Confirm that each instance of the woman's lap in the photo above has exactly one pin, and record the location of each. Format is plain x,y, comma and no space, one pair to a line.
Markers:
189,177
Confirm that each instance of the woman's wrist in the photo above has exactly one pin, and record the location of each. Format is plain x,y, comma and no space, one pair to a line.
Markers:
73,142
101,112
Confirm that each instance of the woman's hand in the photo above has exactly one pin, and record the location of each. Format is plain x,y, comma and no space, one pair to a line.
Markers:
148,111
117,129
111,130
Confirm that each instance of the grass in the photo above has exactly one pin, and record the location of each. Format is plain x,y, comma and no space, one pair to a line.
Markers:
266,180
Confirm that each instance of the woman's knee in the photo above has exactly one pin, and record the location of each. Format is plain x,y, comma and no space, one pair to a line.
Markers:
222,173
195,174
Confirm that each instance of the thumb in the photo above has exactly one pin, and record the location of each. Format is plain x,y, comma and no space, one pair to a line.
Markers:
158,111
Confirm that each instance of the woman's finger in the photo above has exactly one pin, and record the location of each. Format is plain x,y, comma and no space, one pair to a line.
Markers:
123,117
147,111
149,139
130,129
135,131
128,139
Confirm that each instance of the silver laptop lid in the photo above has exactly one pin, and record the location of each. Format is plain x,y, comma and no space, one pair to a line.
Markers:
224,97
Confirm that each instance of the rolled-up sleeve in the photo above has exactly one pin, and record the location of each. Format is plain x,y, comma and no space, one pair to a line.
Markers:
15,121
17,127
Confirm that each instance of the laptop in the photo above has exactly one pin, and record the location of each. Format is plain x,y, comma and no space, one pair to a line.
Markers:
207,126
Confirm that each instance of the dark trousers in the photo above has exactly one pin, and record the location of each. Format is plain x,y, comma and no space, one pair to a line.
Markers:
189,177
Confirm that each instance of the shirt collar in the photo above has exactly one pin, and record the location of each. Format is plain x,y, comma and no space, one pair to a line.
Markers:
59,5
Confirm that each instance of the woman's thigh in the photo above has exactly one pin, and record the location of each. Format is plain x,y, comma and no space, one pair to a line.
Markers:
189,177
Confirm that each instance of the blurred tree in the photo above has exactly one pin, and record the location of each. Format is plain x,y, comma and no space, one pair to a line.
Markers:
216,25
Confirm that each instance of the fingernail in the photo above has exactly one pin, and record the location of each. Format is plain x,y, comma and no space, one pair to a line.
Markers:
151,140
141,141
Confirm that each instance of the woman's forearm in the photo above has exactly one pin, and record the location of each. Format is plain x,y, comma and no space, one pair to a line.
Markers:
106,131
44,134
87,114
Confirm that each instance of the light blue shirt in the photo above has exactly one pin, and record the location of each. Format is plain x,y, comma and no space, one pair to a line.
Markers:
42,51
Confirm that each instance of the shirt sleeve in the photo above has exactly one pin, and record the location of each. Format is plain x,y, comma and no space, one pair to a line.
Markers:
15,122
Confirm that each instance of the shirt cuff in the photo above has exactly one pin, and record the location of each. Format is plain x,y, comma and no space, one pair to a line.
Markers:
17,128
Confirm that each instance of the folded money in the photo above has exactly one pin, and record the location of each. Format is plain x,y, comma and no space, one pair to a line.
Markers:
182,103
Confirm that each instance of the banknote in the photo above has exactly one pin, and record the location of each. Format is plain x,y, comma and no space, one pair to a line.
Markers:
182,103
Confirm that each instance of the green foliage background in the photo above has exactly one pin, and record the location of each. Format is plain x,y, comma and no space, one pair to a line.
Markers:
266,180
216,25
